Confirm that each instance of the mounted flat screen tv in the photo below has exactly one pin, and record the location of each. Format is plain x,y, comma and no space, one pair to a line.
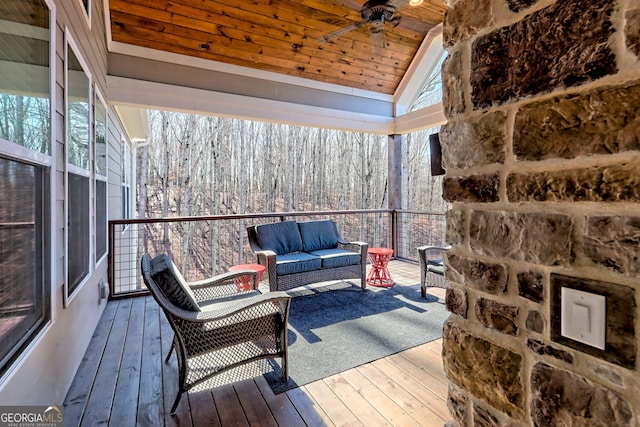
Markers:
436,155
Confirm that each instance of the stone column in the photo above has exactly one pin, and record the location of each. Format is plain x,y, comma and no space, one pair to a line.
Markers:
542,159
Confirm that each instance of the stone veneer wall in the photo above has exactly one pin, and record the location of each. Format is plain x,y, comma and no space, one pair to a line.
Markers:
542,152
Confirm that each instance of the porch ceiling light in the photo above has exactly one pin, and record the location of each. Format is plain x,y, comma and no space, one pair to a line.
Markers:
415,2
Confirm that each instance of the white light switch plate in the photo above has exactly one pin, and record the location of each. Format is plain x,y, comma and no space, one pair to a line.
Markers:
583,317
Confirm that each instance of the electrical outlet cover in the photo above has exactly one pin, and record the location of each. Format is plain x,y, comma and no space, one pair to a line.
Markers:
583,317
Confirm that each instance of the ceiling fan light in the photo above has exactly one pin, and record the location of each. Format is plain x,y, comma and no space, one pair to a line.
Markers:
377,26
415,2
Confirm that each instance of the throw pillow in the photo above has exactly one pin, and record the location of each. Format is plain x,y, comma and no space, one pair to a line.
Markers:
172,284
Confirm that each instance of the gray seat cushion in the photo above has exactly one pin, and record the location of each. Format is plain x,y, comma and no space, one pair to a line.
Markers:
297,263
172,284
336,257
224,302
436,266
279,237
318,235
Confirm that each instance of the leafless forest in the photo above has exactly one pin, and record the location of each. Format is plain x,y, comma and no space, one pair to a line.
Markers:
202,165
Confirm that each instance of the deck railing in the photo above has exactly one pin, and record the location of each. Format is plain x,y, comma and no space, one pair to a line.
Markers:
203,246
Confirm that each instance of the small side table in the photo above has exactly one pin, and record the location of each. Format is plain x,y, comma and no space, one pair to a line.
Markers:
243,283
379,274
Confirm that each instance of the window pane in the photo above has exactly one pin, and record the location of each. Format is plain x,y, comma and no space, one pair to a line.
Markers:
77,112
23,297
101,218
78,262
101,138
125,202
24,67
86,5
431,92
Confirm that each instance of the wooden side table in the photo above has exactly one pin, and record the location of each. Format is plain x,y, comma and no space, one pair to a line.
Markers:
379,274
243,283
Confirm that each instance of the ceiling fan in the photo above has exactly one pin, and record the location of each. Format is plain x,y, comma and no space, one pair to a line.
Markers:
376,14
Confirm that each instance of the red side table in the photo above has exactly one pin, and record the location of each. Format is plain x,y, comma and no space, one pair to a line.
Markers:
379,274
243,283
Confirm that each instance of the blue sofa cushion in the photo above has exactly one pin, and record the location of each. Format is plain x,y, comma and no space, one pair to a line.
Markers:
172,284
318,235
296,263
280,237
337,257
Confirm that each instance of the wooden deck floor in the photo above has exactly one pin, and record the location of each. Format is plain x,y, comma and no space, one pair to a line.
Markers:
123,381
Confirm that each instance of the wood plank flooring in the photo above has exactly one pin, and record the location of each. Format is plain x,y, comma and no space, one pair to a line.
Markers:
124,381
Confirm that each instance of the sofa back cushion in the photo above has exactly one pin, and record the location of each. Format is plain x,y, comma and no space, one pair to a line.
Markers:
172,284
280,237
318,235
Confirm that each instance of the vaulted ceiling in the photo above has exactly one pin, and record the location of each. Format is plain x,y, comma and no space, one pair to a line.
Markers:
321,40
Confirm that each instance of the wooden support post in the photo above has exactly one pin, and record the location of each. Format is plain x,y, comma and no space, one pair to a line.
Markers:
396,199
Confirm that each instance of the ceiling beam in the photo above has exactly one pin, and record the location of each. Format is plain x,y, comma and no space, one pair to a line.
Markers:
146,94
424,118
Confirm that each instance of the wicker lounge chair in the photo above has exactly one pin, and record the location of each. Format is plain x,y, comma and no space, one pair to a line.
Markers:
216,327
431,267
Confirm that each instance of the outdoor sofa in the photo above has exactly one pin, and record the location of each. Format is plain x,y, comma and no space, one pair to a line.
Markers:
300,253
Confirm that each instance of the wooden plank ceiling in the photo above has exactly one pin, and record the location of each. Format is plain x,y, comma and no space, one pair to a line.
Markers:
282,36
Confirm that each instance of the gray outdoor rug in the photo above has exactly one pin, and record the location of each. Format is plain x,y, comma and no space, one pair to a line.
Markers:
338,327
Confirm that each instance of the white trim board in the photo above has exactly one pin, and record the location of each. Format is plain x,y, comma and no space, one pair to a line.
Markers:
142,94
145,94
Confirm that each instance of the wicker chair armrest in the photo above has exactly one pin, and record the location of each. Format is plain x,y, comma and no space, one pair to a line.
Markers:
435,247
424,253
265,255
218,280
220,285
359,247
268,259
275,301
424,250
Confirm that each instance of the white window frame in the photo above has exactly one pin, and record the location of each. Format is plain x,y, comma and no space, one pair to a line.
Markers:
70,168
86,11
99,99
125,179
14,151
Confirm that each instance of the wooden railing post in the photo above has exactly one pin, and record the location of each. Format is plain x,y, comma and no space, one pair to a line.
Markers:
110,260
394,231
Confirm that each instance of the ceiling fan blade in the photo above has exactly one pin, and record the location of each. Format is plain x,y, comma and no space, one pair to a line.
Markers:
353,4
413,25
342,31
399,4
409,23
